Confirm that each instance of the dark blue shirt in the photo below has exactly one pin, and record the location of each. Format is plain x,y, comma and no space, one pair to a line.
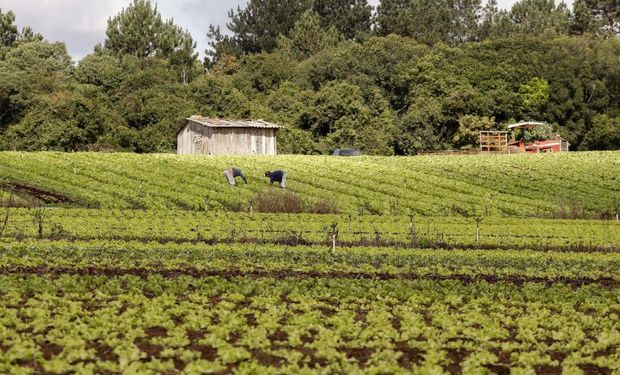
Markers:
237,173
276,176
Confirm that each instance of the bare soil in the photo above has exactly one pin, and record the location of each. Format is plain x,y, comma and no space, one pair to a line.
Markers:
606,282
45,196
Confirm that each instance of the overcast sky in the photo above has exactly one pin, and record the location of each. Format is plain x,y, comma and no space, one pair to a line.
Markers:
81,24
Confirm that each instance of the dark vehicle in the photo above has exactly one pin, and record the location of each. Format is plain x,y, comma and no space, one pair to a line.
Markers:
346,152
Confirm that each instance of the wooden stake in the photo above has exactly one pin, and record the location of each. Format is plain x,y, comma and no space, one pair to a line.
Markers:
478,221
334,235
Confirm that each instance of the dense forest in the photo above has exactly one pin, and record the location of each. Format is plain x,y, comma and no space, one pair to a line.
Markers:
409,75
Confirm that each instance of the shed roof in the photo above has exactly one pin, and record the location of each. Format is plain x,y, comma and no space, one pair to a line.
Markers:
526,125
223,123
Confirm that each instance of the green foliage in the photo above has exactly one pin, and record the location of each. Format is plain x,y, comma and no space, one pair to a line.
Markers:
468,134
583,21
351,18
139,31
217,97
264,24
605,16
290,104
28,70
535,17
348,118
428,21
257,26
417,127
64,121
295,141
534,95
8,30
263,72
604,135
104,71
308,37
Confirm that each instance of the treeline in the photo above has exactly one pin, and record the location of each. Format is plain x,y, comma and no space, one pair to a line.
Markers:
408,76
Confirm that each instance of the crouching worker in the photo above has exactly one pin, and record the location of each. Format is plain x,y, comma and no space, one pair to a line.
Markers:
277,176
231,173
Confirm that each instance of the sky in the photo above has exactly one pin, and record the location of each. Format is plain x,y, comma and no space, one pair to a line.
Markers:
81,24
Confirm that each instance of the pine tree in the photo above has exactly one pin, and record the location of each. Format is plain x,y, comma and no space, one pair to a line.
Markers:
606,14
257,27
8,30
309,37
351,18
582,21
139,30
535,17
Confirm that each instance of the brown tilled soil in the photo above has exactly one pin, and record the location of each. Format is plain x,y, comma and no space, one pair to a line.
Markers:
266,359
207,352
591,369
103,351
50,350
45,196
156,332
152,350
410,356
361,355
606,282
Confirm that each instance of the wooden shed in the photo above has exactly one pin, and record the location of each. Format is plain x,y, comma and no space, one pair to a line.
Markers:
213,136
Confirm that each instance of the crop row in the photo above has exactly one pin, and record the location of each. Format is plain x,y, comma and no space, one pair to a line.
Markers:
94,324
352,230
144,259
494,185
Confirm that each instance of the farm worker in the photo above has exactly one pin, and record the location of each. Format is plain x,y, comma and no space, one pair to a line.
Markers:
231,173
277,176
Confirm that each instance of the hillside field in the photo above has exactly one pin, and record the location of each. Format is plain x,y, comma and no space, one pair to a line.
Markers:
152,264
500,185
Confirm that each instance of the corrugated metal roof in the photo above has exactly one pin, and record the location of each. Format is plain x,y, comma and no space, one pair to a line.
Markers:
222,123
526,125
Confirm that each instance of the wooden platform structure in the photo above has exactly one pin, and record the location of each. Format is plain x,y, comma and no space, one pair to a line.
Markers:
494,142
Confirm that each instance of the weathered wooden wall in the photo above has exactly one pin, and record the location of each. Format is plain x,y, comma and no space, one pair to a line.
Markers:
199,139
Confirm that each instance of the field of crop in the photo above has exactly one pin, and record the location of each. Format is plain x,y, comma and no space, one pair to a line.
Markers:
505,185
132,264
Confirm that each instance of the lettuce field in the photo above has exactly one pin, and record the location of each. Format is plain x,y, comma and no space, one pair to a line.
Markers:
152,264
501,185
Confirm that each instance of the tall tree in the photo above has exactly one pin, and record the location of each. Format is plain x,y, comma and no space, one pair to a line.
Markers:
308,36
140,31
8,30
10,36
606,14
257,27
535,17
221,47
582,21
430,21
352,18
494,22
